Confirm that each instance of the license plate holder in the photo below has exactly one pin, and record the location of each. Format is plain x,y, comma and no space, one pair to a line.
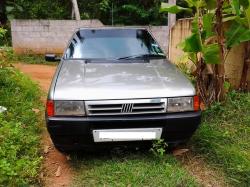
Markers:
135,134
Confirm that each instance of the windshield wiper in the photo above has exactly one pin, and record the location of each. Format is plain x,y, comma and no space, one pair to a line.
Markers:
142,56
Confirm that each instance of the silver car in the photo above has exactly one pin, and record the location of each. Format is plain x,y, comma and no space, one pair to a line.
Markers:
115,86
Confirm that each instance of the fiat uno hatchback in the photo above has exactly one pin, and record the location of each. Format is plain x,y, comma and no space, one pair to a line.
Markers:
115,86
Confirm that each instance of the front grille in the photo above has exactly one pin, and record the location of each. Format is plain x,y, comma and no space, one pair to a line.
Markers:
125,107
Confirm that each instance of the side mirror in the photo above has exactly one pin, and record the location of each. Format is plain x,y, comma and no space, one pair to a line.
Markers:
52,58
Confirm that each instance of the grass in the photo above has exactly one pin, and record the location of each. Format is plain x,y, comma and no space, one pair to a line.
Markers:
222,141
11,57
224,138
19,128
130,169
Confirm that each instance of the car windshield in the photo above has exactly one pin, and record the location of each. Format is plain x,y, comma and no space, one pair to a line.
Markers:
113,44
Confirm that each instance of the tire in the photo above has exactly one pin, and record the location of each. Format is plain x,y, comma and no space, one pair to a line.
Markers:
63,150
172,146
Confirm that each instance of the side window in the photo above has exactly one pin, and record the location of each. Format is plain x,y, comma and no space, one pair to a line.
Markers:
70,51
74,49
156,48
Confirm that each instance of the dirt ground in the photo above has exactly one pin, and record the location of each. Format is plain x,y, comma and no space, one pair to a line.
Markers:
56,167
204,174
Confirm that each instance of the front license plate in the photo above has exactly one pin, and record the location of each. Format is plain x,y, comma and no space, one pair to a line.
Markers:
116,135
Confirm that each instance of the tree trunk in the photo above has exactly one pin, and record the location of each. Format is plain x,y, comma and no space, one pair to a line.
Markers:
243,81
220,69
205,82
76,10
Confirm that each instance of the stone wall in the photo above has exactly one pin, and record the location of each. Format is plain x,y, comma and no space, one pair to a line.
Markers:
52,36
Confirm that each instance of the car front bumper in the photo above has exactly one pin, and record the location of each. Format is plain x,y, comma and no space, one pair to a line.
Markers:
71,133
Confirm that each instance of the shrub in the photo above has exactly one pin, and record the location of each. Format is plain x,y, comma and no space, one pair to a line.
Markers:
2,35
19,129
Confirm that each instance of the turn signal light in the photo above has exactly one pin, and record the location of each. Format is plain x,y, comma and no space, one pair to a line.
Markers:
196,103
50,108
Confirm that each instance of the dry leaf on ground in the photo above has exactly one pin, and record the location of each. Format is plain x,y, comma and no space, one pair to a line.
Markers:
68,157
46,149
179,152
35,110
58,171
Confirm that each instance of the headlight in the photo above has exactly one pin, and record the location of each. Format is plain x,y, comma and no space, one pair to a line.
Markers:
181,104
69,108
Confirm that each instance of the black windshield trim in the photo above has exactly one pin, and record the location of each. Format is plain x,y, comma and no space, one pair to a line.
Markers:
108,61
144,56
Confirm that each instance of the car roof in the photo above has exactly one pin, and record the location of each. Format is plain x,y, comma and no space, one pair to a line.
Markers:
112,28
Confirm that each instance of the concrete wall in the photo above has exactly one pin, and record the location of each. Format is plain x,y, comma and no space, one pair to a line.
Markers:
161,35
45,36
51,36
234,61
180,31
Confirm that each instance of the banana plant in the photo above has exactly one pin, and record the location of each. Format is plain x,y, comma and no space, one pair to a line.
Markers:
239,18
239,32
203,46
202,30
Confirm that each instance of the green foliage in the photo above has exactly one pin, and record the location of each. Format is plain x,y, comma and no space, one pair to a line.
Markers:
137,13
192,44
184,14
239,30
10,57
19,128
237,34
2,35
211,53
223,138
211,4
174,9
19,161
247,13
244,3
238,13
39,9
134,11
206,43
227,85
207,20
240,24
11,8
159,147
125,12
196,43
130,169
236,6
185,68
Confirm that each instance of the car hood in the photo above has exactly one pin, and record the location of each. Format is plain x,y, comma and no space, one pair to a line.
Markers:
95,81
